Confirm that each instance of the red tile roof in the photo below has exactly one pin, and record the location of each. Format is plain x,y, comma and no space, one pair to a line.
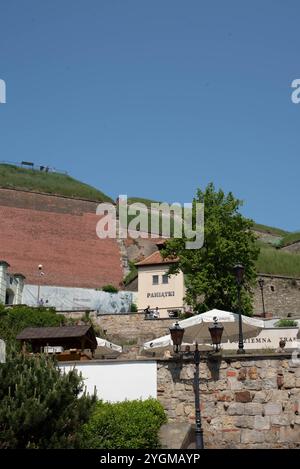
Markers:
156,258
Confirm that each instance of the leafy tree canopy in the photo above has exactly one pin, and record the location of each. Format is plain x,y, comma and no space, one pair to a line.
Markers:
14,320
228,240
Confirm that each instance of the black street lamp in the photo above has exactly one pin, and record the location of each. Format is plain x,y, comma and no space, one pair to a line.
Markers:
216,331
177,333
239,271
261,283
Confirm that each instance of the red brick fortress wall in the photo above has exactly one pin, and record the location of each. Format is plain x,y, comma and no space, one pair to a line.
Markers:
60,233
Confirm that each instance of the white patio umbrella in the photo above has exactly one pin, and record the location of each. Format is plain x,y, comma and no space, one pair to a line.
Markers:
104,347
196,327
164,343
196,330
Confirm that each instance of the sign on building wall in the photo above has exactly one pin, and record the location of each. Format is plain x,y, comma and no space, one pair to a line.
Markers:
268,339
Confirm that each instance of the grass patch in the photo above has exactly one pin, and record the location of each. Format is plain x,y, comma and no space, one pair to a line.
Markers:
290,238
269,229
147,202
13,177
131,275
274,261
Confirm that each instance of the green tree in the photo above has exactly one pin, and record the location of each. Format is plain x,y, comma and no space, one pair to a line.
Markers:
40,405
14,320
228,239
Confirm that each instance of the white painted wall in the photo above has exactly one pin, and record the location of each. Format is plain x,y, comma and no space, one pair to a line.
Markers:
164,296
117,381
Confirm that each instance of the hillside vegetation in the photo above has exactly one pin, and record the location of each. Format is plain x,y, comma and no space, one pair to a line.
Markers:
269,230
274,261
14,177
290,238
270,261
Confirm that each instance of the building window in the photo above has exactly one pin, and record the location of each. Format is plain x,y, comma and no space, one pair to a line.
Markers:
165,279
154,279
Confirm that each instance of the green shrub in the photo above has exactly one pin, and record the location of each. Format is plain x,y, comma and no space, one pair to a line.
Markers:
286,323
122,425
110,289
134,308
40,407
132,274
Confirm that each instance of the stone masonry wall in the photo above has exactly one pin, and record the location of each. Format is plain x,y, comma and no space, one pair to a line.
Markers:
281,296
246,402
130,327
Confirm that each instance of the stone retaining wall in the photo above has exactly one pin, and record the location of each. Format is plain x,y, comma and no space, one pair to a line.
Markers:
130,327
246,402
281,296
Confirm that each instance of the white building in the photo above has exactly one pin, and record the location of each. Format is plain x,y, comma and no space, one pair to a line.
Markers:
11,285
156,288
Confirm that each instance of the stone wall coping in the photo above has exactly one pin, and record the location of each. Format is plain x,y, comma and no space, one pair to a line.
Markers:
286,277
108,361
227,357
104,315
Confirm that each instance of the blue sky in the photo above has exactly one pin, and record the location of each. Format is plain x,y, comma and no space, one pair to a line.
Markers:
156,98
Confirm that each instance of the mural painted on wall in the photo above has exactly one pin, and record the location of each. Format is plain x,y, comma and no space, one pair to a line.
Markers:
65,298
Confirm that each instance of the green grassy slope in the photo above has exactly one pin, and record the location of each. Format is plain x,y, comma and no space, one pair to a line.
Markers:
14,177
290,238
147,202
269,230
274,261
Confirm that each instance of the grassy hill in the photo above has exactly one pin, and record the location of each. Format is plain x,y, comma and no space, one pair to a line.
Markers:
271,259
14,177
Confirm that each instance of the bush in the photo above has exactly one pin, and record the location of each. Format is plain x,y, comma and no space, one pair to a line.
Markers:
132,274
286,323
39,404
129,424
134,308
110,289
14,320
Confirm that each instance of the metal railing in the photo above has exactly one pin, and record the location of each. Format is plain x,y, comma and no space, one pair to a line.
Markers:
34,167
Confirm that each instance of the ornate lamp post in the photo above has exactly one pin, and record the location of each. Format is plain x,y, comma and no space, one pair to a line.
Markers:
239,271
177,333
261,283
216,331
